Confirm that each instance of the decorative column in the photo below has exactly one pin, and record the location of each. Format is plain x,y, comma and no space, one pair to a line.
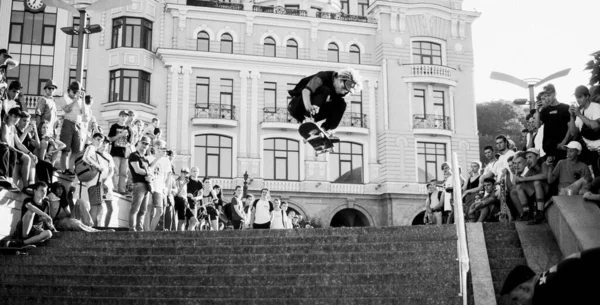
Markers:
410,107
373,166
243,113
452,114
254,145
386,109
172,106
185,106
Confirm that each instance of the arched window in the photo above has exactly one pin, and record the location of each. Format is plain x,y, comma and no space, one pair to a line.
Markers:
213,155
226,43
333,53
281,159
354,54
292,49
269,47
346,163
203,42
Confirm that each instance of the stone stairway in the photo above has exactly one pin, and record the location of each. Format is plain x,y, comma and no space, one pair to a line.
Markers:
389,265
504,252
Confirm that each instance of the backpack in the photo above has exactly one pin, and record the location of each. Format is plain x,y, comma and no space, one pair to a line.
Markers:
84,171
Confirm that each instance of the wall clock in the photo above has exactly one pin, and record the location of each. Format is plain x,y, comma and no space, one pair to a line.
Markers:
34,6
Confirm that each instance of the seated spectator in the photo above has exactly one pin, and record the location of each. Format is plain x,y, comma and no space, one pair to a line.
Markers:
434,205
13,98
487,207
518,169
533,183
27,133
261,211
47,153
585,121
46,109
36,225
20,153
472,184
277,215
153,130
237,209
182,207
61,208
573,175
248,200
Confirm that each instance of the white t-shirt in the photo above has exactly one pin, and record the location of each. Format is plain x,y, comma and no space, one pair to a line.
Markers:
503,162
262,211
277,220
108,181
539,138
161,170
592,113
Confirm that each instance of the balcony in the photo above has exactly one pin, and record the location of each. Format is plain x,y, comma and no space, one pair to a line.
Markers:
342,16
30,101
215,115
432,124
279,10
354,122
278,118
216,4
430,74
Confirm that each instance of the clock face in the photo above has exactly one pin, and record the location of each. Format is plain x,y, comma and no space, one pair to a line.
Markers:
34,6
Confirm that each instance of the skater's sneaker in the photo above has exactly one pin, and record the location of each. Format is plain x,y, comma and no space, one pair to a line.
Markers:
539,218
15,244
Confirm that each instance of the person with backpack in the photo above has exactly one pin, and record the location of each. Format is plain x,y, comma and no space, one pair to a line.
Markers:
236,209
278,216
434,205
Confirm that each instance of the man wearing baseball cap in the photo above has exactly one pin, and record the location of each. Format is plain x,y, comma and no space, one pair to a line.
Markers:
46,110
573,281
534,182
572,174
585,121
72,131
555,117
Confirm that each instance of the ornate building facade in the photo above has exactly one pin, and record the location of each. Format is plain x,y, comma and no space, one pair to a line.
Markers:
216,74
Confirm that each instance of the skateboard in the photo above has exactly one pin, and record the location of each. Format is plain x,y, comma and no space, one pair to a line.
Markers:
16,250
9,186
319,141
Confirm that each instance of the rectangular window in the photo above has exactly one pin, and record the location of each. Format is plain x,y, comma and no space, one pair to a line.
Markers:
202,92
419,109
438,103
430,157
129,86
131,32
345,7
34,29
292,6
226,92
282,159
356,114
346,163
213,155
75,38
363,5
73,77
270,97
427,53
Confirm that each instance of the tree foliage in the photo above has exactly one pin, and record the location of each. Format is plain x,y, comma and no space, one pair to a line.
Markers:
594,67
499,118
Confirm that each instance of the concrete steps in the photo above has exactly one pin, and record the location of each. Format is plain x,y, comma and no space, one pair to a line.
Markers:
397,265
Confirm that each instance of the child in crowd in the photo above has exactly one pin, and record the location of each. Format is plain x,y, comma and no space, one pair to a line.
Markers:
277,215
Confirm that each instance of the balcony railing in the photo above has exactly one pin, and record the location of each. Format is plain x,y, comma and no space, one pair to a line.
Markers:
215,111
354,119
431,121
342,16
217,4
30,101
279,10
282,115
431,71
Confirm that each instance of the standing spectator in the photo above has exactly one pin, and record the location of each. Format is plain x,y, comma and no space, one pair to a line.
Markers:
72,130
585,121
488,206
434,205
107,179
261,211
170,219
153,130
448,190
139,167
161,167
93,157
34,217
277,215
573,175
247,201
132,119
137,131
533,183
182,207
473,182
24,158
492,169
555,116
213,203
46,110
46,153
286,220
120,138
195,193
237,209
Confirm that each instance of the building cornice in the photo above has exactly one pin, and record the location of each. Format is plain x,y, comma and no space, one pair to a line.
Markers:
437,10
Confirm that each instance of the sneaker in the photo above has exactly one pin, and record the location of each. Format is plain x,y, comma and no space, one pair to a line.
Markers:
15,244
539,218
524,217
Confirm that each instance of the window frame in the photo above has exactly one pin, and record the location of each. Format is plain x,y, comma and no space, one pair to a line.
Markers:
207,85
437,165
442,104
274,90
345,4
198,39
275,157
420,54
337,51
357,52
362,7
229,41
224,93
145,33
424,96
220,153
143,90
75,38
293,48
337,152
272,44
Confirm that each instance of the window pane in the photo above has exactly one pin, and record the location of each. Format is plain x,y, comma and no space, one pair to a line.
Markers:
422,170
15,33
269,50
293,163
280,169
134,90
280,144
203,44
202,95
269,144
292,52
354,58
17,16
38,23
201,140
226,162
226,142
430,157
213,141
269,168
200,159
31,87
212,165
48,35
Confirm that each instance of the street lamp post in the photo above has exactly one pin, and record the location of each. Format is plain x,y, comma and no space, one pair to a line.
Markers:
528,83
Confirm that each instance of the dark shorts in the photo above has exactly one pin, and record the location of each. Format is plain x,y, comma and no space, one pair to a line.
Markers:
180,207
70,135
266,225
212,212
36,229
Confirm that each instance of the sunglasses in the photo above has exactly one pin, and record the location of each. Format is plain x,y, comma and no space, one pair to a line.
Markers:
349,85
145,143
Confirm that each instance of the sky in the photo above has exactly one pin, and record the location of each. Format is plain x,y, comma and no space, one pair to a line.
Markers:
532,39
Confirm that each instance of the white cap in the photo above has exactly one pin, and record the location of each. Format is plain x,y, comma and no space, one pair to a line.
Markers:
574,145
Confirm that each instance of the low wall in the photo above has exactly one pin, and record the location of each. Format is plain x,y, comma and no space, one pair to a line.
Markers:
575,223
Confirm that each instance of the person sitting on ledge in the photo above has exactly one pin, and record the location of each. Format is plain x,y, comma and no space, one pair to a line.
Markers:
488,206
573,281
573,175
35,225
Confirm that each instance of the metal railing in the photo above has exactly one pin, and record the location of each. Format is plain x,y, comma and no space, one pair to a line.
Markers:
342,16
217,4
273,114
279,10
432,121
459,221
354,119
215,111
431,70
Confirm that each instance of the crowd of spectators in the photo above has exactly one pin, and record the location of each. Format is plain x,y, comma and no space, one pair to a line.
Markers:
561,157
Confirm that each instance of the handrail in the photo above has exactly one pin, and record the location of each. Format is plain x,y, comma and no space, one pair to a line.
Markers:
459,221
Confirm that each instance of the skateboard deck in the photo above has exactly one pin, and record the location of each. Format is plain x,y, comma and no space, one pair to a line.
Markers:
319,140
16,250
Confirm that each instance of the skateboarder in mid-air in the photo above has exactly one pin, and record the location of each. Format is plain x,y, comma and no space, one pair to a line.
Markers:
321,97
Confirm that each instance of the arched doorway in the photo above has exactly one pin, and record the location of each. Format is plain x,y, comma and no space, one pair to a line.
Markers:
349,218
418,220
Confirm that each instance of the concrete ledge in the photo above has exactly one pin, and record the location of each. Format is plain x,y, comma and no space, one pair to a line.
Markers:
10,212
575,223
539,246
481,274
